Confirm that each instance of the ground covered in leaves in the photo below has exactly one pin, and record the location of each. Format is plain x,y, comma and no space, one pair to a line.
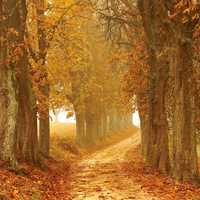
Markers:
35,184
118,173
113,170
152,182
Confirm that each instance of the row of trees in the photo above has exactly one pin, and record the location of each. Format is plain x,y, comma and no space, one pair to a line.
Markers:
172,105
18,129
163,77
61,47
87,78
54,55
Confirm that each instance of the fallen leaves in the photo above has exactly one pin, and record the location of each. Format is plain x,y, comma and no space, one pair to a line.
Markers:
125,179
156,184
38,185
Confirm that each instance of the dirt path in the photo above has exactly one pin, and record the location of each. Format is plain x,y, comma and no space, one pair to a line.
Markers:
100,176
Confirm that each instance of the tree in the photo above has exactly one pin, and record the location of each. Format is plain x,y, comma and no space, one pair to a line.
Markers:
182,70
44,124
11,44
157,65
19,135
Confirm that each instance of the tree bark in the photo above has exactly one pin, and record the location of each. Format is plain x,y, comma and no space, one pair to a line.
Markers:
185,167
44,123
12,27
155,140
27,117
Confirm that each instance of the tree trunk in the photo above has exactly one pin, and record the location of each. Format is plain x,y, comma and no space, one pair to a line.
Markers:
158,150
185,166
156,144
44,124
27,117
99,122
91,128
143,123
113,120
44,135
91,118
104,123
80,127
9,109
11,51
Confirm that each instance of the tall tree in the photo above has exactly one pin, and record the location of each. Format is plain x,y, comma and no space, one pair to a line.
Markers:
19,126
12,27
44,123
184,164
156,132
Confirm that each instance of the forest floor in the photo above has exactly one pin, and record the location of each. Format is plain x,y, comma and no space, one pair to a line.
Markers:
118,173
113,170
100,175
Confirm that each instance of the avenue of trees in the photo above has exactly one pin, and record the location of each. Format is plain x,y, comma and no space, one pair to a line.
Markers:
102,60
50,59
164,77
